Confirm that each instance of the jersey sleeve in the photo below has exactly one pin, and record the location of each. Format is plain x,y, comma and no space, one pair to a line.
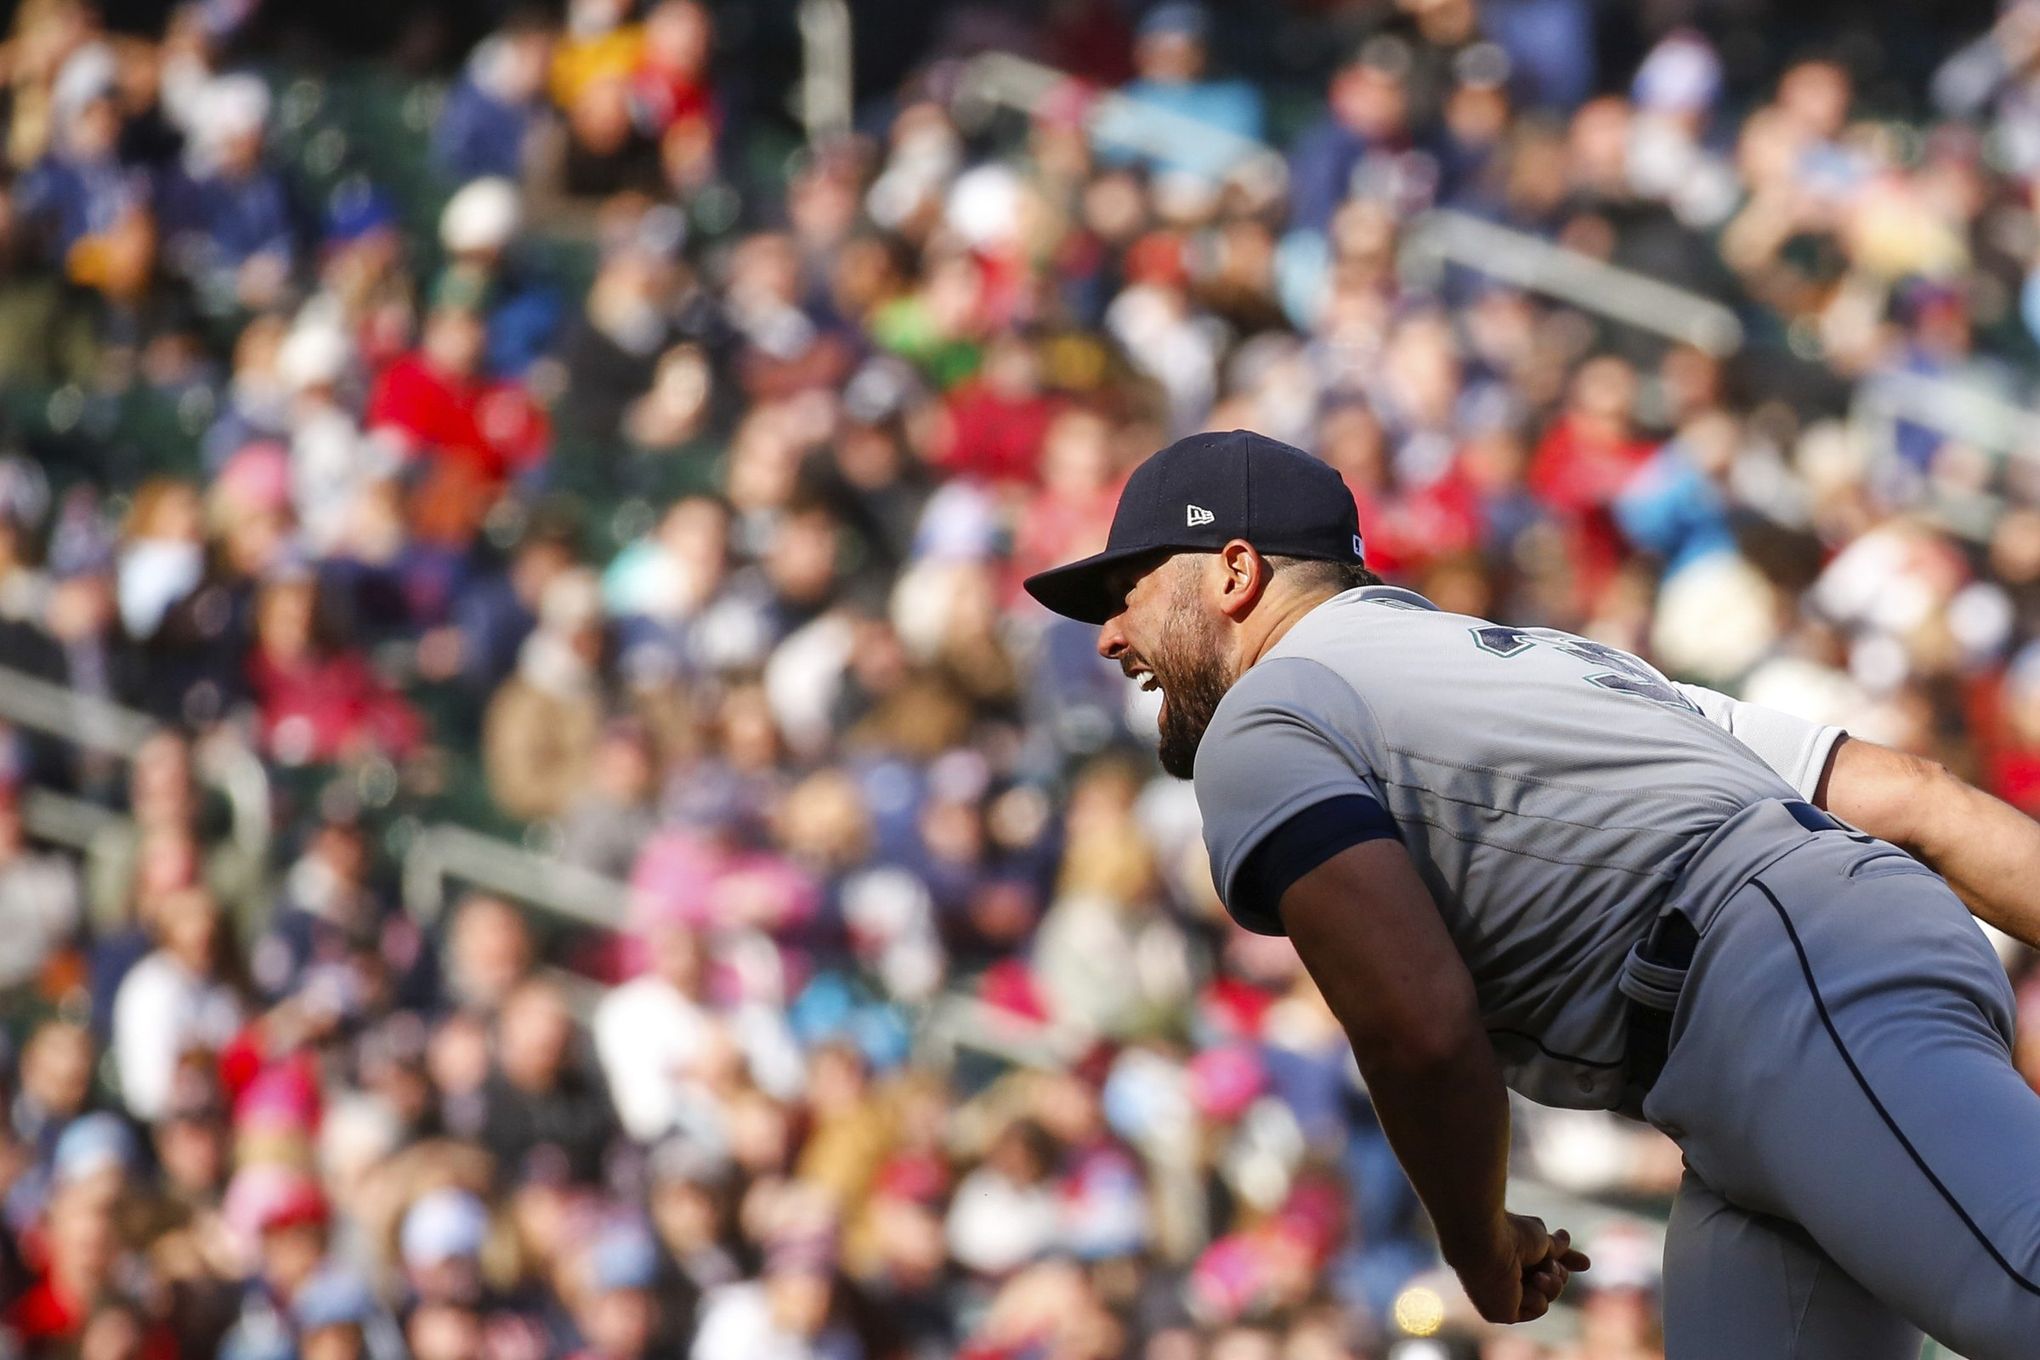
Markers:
1278,771
1797,749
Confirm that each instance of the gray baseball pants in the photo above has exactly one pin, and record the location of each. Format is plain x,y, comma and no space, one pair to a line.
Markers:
1863,1161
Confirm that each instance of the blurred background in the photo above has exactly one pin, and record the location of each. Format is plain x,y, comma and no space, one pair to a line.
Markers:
535,819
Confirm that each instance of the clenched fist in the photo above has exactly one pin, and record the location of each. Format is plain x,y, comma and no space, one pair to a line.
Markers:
1523,1272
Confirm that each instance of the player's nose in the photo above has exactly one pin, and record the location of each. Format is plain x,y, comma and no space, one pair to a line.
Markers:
1111,639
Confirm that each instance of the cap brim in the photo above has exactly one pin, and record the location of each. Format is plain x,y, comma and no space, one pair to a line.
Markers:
1079,590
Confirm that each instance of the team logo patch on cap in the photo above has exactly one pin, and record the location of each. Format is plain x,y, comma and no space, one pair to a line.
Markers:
1197,514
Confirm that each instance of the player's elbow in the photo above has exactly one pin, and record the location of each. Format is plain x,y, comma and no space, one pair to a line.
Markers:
1928,778
1946,808
1896,796
1922,795
1419,1040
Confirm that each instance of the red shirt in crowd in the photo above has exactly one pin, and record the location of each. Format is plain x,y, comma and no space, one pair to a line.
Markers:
2010,764
996,437
1407,530
49,1319
320,707
494,427
1054,529
669,97
1577,471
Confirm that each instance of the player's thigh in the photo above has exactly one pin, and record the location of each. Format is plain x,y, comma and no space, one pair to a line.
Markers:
1859,1083
1758,1288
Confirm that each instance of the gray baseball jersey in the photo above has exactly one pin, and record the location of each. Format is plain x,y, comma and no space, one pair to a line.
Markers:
1549,789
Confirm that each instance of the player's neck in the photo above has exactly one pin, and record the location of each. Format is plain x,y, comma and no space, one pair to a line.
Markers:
1272,620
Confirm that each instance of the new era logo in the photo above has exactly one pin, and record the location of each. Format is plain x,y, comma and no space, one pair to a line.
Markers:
1199,515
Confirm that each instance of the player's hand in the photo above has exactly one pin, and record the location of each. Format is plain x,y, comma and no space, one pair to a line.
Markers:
1524,1273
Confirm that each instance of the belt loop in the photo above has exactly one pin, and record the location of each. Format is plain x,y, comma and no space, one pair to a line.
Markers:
1652,978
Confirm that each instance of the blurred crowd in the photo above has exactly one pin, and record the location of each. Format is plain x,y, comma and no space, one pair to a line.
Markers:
647,485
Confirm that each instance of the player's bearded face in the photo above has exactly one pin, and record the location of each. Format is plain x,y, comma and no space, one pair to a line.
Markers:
1189,667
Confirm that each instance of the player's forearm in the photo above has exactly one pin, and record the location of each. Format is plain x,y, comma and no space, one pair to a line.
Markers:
1447,1117
1989,852
1368,930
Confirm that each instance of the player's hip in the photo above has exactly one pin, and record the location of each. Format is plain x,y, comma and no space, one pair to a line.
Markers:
1841,1059
1866,908
1839,949
1746,844
1599,1039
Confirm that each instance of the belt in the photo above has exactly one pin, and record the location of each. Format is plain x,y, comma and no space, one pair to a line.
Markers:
1671,945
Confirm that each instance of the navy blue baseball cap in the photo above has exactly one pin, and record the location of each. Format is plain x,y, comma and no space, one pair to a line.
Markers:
1199,494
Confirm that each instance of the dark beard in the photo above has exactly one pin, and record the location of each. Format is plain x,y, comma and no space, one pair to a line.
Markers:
1193,687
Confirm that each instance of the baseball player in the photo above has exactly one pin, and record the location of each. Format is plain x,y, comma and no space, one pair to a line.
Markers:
1515,857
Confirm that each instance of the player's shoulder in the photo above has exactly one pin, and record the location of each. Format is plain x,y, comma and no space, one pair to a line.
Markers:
1282,697
1285,718
1278,680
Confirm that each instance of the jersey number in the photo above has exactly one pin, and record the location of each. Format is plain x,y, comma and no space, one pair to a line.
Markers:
1627,676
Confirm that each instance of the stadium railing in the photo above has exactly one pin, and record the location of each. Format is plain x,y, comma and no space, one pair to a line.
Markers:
1960,412
827,80
442,854
222,761
1446,237
1001,80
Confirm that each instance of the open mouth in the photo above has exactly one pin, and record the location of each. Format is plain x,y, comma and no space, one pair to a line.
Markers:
1145,678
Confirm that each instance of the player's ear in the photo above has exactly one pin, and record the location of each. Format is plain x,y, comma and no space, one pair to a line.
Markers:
1243,574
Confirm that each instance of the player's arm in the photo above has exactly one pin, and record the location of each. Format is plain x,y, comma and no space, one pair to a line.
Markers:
1369,933
1988,850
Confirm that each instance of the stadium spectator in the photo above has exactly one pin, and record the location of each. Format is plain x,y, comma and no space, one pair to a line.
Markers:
1363,144
440,407
542,1100
177,1000
41,898
317,702
1171,47
227,219
498,105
